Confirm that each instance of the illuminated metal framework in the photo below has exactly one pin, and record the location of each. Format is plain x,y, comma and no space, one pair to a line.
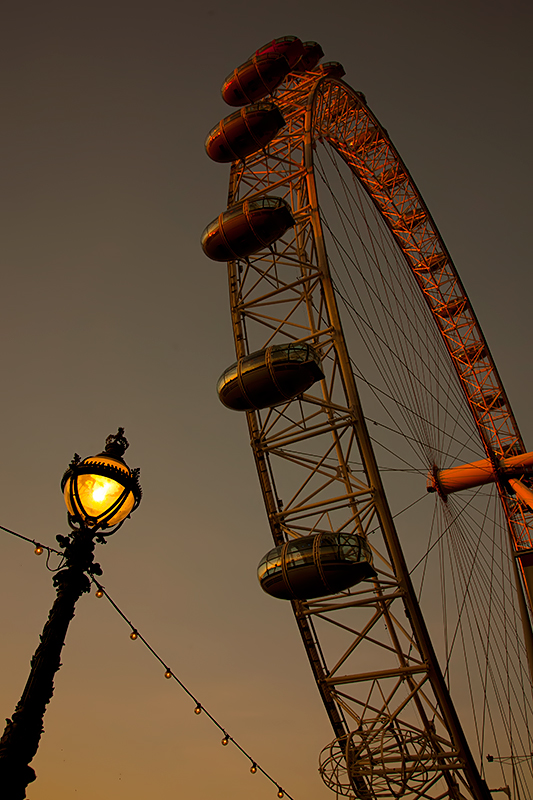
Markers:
397,731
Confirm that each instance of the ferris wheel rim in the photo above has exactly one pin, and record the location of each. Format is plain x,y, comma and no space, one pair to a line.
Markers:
312,128
482,408
324,81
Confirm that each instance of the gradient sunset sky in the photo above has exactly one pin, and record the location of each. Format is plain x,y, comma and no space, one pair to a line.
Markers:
112,315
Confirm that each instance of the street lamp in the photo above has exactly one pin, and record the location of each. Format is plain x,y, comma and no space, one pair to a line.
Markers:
100,492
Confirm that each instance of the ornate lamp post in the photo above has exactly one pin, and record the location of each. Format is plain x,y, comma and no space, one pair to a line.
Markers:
100,492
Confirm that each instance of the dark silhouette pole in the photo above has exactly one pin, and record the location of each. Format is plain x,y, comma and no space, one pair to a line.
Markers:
23,731
100,493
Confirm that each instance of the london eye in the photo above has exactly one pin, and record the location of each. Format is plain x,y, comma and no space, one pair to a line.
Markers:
396,484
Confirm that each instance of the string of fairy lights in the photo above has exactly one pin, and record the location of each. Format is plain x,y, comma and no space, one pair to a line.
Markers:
135,634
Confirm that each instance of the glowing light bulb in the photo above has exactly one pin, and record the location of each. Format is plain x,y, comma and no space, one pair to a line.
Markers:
99,593
168,674
280,792
134,635
198,709
225,739
99,492
253,768
38,550
96,495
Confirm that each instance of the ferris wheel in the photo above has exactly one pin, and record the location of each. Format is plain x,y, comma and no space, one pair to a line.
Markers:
402,535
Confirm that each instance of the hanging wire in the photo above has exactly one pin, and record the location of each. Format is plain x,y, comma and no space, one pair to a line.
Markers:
39,549
37,545
199,707
169,674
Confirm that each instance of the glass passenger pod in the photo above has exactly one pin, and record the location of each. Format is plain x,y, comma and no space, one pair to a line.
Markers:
244,132
254,79
311,56
268,377
246,228
315,566
290,47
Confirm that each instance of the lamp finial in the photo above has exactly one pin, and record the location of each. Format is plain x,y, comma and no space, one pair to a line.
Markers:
116,444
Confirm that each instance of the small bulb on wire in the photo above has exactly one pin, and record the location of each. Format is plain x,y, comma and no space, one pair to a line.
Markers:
168,674
280,791
225,739
99,593
134,635
253,768
38,550
198,709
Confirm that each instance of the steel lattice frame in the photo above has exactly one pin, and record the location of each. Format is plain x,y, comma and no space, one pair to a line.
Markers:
397,730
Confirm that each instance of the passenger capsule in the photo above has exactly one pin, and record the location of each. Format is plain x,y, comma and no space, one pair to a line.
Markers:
254,79
246,228
311,56
314,566
244,132
333,69
290,47
268,377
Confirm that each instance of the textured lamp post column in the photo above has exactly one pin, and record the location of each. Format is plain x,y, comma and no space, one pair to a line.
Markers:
100,492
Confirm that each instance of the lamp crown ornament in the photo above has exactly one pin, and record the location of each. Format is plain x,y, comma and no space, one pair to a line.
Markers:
116,444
